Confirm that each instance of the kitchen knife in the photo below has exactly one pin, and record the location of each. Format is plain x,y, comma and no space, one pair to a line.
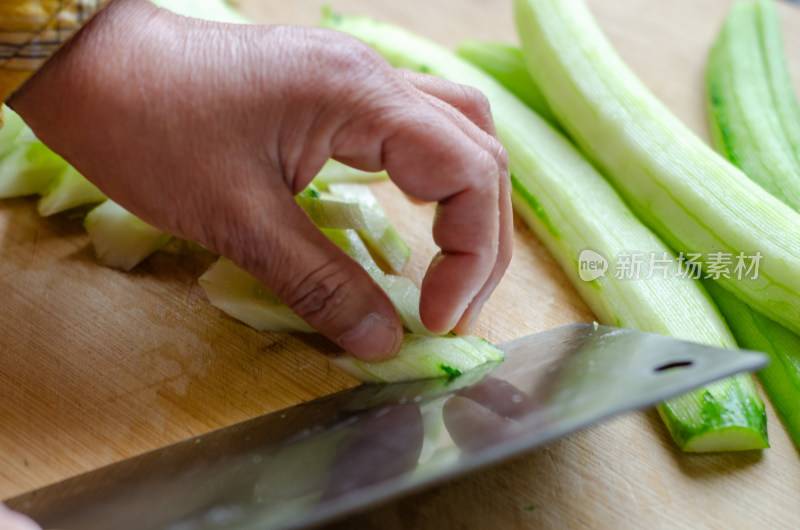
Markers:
329,457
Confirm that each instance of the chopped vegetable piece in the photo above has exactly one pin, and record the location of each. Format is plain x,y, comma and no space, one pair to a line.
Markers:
334,171
121,240
245,298
423,357
68,190
242,296
28,169
12,128
216,10
405,295
379,233
328,210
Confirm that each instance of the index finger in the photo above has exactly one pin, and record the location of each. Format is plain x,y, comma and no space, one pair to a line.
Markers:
431,158
471,111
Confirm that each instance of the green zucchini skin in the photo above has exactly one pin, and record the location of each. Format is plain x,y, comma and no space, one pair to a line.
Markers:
781,379
693,198
741,87
755,122
572,208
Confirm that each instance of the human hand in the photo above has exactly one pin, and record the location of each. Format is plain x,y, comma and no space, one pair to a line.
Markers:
208,130
15,521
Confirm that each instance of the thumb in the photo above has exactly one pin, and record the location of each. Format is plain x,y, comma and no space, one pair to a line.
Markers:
315,278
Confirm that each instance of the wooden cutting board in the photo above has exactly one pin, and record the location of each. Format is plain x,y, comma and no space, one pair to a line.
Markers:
98,365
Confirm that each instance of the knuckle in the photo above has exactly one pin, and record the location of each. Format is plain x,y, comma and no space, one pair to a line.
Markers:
497,151
319,294
477,99
487,166
357,58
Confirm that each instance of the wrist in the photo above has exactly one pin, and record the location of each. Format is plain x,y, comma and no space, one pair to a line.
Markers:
55,99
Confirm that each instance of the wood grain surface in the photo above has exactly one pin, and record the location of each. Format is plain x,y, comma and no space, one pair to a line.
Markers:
98,365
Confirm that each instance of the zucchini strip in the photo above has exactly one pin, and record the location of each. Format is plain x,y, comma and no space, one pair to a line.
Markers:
576,213
68,190
698,202
755,122
746,124
505,63
120,239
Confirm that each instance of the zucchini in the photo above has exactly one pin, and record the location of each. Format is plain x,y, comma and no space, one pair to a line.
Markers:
505,63
327,210
245,298
424,357
379,233
121,240
755,122
12,128
28,169
403,293
68,190
754,331
216,10
743,90
698,202
574,211
334,171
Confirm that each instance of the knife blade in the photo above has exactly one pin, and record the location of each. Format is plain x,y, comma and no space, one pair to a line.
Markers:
332,456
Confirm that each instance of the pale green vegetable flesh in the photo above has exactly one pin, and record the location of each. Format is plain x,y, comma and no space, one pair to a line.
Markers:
353,206
504,62
12,128
334,171
379,233
755,122
327,210
68,190
424,357
28,170
692,197
572,209
245,298
121,240
421,356
216,10
403,293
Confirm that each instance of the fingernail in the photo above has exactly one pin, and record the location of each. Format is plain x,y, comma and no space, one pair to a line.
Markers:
371,339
